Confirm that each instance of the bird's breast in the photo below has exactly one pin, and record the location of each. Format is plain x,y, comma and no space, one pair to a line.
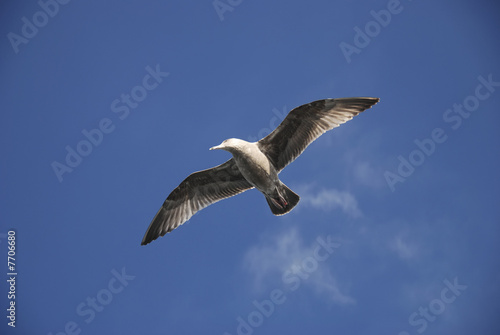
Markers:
257,169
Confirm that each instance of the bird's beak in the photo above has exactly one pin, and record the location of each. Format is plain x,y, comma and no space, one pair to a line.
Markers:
216,147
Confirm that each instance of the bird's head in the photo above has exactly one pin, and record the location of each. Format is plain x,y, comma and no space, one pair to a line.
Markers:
231,144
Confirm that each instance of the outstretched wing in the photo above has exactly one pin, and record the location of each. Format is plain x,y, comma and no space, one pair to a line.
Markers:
199,190
306,123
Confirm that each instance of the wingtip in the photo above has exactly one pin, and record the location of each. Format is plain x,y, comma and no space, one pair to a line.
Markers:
363,103
146,240
364,100
373,101
155,228
150,237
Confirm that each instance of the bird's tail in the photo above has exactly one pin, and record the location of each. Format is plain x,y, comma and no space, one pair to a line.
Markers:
284,201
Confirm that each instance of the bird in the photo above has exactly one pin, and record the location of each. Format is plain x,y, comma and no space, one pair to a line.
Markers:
256,164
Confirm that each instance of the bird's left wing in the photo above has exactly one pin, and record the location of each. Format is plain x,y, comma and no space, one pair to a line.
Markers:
306,123
199,190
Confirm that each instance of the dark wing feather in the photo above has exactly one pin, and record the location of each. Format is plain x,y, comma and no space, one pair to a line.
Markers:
199,190
306,123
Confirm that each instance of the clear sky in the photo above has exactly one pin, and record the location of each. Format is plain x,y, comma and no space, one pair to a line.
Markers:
108,105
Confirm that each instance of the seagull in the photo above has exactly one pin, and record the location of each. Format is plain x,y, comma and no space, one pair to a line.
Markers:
255,164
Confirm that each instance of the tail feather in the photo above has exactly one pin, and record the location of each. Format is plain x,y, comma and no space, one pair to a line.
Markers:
284,202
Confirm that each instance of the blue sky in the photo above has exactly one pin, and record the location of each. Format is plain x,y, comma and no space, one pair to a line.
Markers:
398,226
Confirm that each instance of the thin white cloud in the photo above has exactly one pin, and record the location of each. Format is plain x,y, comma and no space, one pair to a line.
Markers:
326,285
269,260
367,175
397,237
367,161
403,249
330,199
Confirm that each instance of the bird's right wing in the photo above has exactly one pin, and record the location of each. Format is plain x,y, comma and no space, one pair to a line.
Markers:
306,123
199,190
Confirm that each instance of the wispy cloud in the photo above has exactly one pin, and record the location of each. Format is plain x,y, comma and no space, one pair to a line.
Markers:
402,247
329,199
271,258
269,261
325,284
366,174
398,237
366,159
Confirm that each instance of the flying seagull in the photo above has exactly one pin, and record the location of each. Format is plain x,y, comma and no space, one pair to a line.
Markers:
255,164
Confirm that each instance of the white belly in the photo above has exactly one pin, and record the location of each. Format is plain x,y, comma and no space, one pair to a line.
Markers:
257,169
